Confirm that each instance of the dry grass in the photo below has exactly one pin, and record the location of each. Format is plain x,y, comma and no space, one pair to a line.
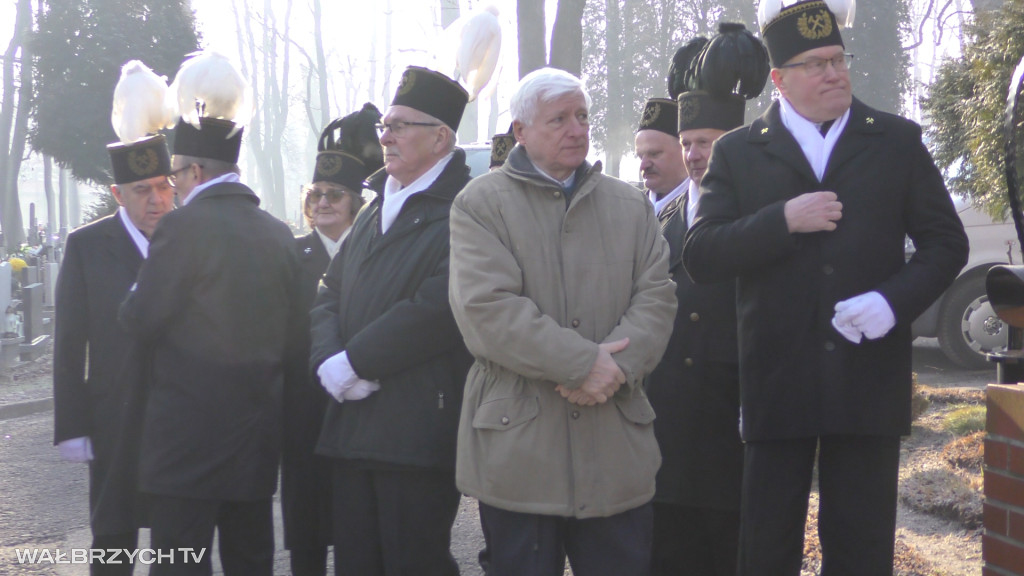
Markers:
966,453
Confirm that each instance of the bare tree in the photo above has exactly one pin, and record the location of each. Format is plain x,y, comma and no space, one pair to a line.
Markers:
14,113
269,79
567,37
532,43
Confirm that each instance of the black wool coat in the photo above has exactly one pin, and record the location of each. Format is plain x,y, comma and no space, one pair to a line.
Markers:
98,368
695,388
218,300
385,301
799,377
306,477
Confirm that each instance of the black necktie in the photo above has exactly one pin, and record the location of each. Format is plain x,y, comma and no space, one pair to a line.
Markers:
825,126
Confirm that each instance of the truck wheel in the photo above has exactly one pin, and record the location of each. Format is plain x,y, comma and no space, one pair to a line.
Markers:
968,328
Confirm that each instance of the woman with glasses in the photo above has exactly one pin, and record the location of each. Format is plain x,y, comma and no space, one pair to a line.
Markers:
348,153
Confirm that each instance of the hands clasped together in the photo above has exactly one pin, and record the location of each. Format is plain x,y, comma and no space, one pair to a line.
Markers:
604,379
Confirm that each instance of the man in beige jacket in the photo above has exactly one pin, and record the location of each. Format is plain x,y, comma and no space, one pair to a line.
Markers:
560,286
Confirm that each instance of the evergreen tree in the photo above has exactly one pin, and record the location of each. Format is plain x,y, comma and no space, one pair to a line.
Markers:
79,49
966,106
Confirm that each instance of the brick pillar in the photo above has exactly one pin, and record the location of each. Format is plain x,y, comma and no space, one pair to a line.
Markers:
1003,542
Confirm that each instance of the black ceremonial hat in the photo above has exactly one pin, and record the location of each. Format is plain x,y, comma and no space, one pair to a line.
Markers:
798,28
348,150
140,160
700,109
501,146
213,139
660,114
432,93
340,168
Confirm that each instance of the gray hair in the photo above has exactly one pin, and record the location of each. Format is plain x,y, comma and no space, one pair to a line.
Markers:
211,168
540,86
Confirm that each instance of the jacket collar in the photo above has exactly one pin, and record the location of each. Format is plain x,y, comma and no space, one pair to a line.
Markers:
861,128
225,189
445,187
520,166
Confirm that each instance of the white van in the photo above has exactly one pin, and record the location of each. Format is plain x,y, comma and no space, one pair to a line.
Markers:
962,318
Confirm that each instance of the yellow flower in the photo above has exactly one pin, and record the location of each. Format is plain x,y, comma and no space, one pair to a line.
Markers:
17,264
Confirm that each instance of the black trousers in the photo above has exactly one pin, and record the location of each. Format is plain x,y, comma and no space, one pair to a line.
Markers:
537,545
691,541
127,541
245,532
857,485
393,522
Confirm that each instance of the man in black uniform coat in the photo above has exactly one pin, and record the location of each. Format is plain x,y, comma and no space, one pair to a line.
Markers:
386,347
97,366
695,389
218,301
809,207
330,204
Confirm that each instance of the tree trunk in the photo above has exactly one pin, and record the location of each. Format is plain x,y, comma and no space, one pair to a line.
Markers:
531,30
51,206
616,90
62,203
14,109
567,37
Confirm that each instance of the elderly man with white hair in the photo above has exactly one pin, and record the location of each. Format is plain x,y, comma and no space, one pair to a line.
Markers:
560,286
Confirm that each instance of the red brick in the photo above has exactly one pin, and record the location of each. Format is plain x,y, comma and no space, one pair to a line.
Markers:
1004,488
996,454
1005,413
986,571
1005,555
1016,460
996,519
1015,527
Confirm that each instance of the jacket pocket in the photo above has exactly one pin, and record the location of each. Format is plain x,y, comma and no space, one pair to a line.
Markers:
506,413
635,408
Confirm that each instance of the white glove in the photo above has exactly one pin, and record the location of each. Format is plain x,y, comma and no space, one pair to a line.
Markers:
847,330
336,375
869,313
361,389
76,449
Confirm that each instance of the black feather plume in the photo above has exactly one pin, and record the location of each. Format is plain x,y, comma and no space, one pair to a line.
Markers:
681,73
356,134
733,62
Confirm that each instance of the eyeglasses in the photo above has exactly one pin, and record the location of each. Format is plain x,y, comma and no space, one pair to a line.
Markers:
333,194
397,128
172,178
816,66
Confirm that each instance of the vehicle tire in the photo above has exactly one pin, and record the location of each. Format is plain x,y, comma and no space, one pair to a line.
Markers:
968,327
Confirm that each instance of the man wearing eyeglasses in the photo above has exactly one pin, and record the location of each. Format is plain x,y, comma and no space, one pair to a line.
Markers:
808,209
386,347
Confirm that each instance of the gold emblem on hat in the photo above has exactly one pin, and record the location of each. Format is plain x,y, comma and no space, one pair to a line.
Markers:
651,114
143,162
328,164
689,109
407,82
814,26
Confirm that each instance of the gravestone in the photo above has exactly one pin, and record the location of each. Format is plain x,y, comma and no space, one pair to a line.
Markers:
32,316
5,289
49,280
29,275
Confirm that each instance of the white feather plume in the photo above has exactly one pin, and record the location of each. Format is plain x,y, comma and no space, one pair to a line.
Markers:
209,85
767,10
139,108
845,10
478,50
